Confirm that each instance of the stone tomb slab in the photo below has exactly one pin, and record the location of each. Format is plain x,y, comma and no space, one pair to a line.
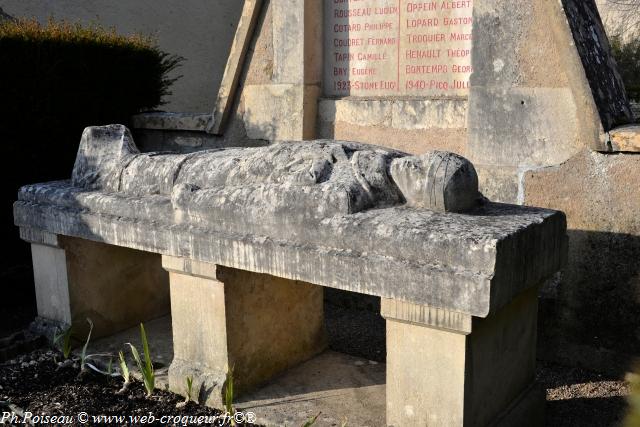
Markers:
244,233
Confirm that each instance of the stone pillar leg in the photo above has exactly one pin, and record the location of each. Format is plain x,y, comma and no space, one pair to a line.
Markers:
449,369
224,318
76,279
51,279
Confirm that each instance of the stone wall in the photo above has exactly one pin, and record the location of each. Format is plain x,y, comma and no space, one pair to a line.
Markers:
531,103
410,125
202,32
594,309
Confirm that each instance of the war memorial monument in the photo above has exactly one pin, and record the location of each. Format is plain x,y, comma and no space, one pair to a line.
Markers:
383,147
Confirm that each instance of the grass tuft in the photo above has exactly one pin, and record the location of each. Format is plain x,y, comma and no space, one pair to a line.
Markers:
145,366
62,341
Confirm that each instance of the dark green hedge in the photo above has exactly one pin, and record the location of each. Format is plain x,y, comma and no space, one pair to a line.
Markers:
627,55
55,80
58,78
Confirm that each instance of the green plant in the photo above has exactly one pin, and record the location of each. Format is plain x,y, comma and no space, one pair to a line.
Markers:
58,78
62,341
124,372
87,361
228,396
189,388
124,369
83,355
146,366
312,421
627,56
633,417
187,398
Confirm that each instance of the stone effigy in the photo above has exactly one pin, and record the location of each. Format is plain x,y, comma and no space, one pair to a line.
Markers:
247,235
286,181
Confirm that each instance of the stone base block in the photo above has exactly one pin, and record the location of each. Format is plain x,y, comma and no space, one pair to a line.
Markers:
47,328
223,319
50,275
446,370
115,287
207,383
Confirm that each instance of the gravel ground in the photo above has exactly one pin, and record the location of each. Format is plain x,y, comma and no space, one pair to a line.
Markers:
575,397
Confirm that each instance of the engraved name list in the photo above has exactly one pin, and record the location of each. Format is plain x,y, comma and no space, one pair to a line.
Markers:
397,47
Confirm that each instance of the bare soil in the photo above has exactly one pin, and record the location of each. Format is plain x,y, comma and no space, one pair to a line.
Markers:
37,383
34,382
575,397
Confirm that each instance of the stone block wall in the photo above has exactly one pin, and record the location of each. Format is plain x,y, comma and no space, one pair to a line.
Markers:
411,125
591,315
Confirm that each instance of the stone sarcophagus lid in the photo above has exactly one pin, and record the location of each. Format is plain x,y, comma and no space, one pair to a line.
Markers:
450,266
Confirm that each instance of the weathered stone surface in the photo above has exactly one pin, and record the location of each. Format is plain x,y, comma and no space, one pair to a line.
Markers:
606,83
443,182
180,141
279,96
513,128
235,64
39,237
106,146
500,183
276,112
411,125
429,113
549,91
389,54
226,319
424,315
625,138
113,286
289,210
476,377
326,177
52,283
595,304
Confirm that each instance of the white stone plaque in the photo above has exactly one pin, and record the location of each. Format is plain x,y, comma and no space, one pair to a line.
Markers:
397,48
